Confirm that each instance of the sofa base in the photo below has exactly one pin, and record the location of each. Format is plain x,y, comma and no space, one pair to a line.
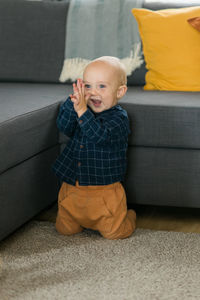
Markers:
27,189
163,176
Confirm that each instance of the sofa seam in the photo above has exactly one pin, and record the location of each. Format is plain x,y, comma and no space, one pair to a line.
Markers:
32,156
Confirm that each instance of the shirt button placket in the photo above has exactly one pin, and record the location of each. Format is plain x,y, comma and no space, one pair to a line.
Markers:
79,163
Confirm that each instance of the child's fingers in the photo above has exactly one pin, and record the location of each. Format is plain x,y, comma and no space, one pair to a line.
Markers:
80,83
80,86
72,96
76,94
75,88
83,88
74,99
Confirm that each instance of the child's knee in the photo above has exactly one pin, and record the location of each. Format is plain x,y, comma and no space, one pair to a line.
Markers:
126,228
65,229
118,235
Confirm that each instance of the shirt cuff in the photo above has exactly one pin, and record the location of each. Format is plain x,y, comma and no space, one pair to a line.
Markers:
68,104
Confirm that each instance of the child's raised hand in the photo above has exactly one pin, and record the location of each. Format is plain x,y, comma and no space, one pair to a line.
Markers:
78,97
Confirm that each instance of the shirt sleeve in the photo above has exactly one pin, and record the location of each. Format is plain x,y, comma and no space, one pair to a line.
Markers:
67,118
112,129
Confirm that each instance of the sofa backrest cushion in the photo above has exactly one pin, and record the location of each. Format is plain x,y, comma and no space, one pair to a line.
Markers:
162,4
32,35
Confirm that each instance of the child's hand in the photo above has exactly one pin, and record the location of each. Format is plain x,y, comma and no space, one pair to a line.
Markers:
78,97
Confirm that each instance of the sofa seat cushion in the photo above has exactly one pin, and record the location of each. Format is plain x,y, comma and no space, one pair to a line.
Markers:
28,120
162,118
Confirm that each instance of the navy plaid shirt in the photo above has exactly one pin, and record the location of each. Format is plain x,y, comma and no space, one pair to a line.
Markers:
96,152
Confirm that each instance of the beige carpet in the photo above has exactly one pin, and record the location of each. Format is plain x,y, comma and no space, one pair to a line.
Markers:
38,263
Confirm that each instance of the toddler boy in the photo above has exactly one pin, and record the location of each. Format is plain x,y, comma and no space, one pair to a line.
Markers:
93,163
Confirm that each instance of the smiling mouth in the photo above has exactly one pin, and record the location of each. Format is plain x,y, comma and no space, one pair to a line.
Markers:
95,102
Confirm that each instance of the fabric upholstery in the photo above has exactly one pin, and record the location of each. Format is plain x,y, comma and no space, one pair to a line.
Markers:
170,65
156,4
28,120
163,176
32,35
163,119
27,189
90,37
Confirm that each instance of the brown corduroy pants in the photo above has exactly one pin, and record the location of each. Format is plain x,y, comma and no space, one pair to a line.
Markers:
101,208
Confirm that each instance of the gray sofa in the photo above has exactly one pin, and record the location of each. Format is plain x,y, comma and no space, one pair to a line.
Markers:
164,147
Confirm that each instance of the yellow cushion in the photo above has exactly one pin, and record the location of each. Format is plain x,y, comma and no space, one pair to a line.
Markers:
171,48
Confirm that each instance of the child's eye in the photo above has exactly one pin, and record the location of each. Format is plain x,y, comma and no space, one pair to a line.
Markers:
102,86
87,86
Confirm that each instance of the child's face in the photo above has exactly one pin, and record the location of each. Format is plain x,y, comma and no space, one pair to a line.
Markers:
101,86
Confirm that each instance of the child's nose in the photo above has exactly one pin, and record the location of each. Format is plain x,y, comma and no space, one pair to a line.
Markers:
94,90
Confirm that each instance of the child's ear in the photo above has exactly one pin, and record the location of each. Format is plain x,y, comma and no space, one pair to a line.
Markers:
121,91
